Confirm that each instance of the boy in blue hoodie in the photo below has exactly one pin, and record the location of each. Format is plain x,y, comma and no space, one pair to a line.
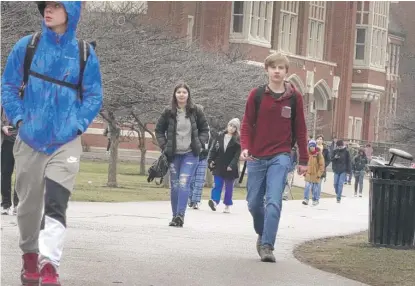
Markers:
50,118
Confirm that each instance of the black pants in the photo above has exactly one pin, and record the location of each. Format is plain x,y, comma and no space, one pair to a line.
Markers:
7,167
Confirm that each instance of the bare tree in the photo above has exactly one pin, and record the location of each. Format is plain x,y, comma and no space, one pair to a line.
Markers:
18,19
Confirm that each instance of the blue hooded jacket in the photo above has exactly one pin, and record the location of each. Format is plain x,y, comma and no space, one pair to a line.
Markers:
51,114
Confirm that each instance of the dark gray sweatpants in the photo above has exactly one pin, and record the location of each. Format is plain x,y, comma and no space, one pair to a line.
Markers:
44,184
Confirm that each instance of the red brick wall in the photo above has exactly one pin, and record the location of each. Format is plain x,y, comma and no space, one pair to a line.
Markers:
369,76
344,19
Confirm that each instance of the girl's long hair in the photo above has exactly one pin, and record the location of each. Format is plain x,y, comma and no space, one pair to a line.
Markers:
174,105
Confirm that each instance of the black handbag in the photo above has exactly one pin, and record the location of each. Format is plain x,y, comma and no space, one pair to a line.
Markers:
159,169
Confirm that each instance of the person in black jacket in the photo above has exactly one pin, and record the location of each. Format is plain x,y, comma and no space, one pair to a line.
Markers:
359,165
223,161
341,165
8,134
181,132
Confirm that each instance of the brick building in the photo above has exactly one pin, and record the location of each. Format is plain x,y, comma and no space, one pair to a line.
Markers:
344,55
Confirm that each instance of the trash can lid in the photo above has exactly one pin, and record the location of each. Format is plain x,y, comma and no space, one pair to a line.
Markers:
401,154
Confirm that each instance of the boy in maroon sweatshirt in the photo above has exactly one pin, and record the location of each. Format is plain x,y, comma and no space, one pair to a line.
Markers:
267,138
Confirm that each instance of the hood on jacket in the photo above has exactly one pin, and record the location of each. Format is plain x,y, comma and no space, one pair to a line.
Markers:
73,11
362,150
289,90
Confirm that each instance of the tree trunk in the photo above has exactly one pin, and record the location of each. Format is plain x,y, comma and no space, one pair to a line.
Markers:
143,151
113,159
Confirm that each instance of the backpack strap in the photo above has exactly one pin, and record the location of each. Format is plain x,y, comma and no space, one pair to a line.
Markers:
30,52
83,47
293,103
259,93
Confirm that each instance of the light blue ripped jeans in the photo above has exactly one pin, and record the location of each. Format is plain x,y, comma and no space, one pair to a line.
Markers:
182,169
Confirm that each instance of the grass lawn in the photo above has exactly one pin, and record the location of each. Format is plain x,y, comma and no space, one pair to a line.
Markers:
91,185
353,257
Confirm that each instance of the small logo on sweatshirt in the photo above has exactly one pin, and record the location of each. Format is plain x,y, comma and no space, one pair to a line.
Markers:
72,159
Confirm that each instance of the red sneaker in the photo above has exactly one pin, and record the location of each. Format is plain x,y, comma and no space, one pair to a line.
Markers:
49,276
30,271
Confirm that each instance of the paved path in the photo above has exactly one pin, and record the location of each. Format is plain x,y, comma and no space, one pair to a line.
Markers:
131,244
348,190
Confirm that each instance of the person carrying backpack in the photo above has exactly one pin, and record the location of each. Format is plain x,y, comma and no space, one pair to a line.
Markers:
51,92
273,122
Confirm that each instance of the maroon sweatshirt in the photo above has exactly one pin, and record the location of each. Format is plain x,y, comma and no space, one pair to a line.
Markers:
272,134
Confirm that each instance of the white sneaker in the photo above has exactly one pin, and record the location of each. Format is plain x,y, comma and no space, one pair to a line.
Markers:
227,210
196,206
5,211
13,211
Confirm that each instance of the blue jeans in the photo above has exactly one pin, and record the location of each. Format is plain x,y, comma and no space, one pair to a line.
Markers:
267,178
339,180
358,181
182,169
315,189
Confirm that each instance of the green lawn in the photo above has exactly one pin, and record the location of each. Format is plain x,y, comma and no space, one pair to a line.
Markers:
91,186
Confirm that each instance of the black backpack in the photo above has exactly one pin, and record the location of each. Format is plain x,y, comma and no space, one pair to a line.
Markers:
259,94
30,52
159,169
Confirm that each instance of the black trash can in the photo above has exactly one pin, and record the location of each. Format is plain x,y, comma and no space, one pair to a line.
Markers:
392,202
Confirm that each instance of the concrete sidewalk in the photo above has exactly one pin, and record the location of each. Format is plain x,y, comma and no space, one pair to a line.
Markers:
131,244
327,187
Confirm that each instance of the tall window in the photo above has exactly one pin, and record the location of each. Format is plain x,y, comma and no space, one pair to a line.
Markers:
360,44
362,21
394,53
371,33
316,28
288,26
379,34
251,22
238,17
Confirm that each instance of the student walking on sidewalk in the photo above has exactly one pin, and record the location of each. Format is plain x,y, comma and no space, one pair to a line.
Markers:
341,165
181,131
314,173
359,165
57,103
223,161
8,137
273,122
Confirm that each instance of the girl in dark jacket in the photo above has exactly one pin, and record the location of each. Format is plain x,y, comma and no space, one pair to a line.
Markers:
181,131
223,161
